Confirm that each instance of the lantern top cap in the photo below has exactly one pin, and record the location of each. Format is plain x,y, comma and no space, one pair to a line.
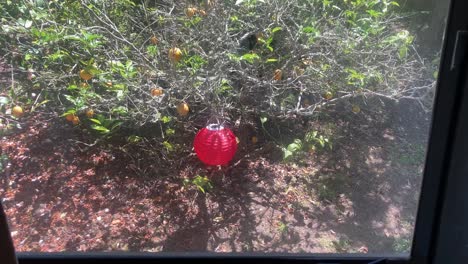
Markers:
215,127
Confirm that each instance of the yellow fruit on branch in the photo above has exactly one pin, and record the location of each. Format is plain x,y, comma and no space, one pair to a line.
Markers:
85,75
154,40
356,109
328,95
175,54
183,109
90,113
191,11
278,75
157,92
84,85
109,84
254,140
17,111
76,120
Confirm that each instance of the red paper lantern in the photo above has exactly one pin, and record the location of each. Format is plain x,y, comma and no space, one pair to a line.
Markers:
215,145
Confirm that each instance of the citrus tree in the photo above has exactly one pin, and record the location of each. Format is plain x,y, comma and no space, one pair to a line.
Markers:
149,71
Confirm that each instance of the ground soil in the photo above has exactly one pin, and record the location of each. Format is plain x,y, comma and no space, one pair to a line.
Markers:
361,196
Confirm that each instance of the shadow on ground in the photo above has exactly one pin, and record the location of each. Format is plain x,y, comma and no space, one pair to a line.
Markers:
359,197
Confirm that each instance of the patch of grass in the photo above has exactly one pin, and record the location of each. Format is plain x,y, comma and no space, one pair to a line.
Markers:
202,183
282,227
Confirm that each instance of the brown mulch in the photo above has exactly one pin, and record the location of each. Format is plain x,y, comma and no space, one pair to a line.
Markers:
358,197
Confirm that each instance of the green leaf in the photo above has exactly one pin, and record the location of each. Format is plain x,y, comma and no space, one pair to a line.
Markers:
99,128
295,146
170,131
402,52
276,29
68,112
166,119
168,146
271,60
95,121
250,57
263,120
134,139
286,153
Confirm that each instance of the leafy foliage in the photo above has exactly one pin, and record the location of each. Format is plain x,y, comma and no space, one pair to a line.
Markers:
82,55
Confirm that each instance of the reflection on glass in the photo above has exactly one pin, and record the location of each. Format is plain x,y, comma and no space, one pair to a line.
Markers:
329,103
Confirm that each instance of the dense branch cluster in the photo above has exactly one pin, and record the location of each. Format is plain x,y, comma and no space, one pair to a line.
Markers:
239,58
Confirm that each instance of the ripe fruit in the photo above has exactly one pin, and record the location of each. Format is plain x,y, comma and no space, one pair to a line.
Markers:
17,111
356,109
76,120
183,109
278,75
69,117
328,95
109,84
90,113
154,40
191,11
85,75
84,85
157,92
175,54
254,140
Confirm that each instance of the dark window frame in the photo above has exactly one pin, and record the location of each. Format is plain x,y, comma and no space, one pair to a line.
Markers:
444,170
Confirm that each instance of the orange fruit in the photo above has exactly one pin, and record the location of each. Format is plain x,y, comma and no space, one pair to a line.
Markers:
69,117
254,139
278,75
17,111
85,75
84,85
191,11
183,109
175,54
328,95
157,92
154,40
76,120
90,113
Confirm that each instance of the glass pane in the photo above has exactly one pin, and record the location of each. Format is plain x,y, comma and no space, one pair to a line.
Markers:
221,126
